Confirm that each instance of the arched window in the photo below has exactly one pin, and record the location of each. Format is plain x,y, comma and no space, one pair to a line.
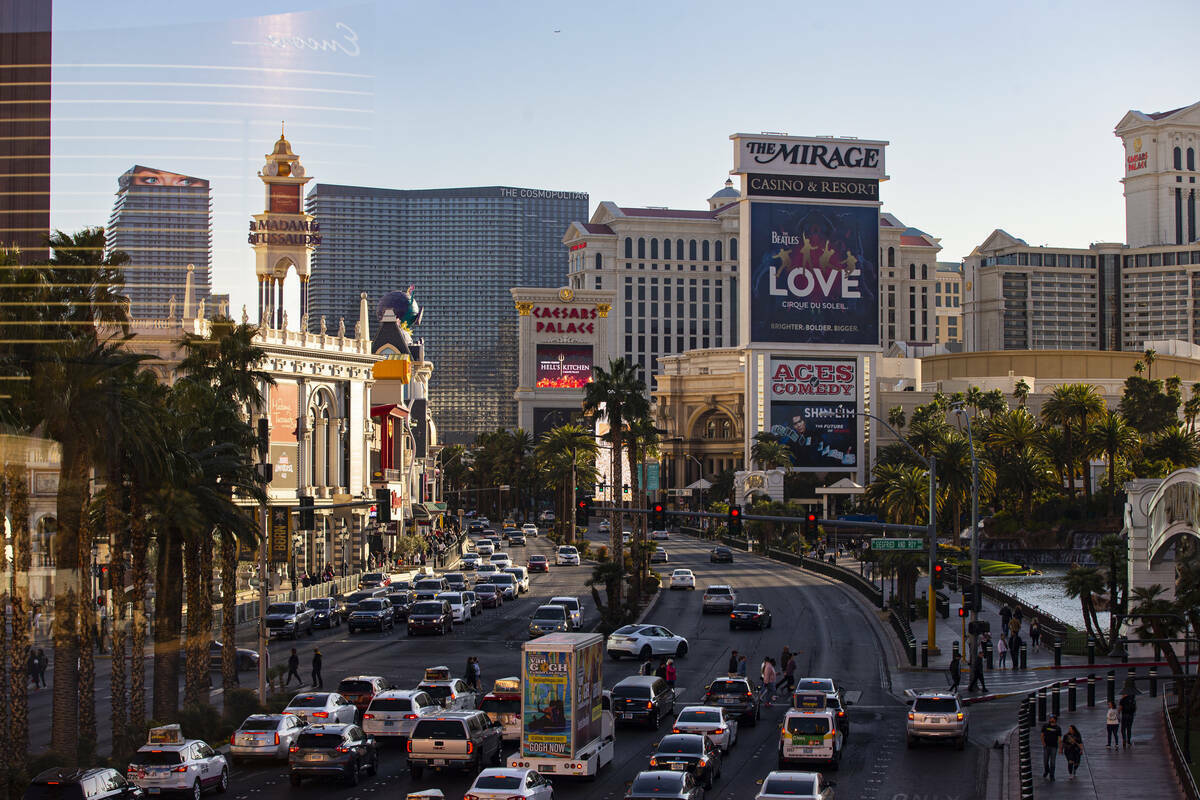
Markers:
733,249
892,257
704,250
924,272
1191,159
641,247
679,249
667,249
912,272
599,261
714,425
654,248
628,247
718,250
692,250
1178,158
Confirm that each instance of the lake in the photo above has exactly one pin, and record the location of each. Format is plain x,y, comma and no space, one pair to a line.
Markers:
1047,591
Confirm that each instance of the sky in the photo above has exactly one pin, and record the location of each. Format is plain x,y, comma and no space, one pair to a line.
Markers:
998,115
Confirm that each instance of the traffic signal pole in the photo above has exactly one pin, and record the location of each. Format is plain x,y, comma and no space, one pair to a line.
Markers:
932,613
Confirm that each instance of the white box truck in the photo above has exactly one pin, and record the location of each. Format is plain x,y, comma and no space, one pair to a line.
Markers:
565,727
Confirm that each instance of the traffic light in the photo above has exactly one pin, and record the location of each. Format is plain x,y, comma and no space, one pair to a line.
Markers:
658,517
735,521
962,611
810,526
105,577
939,575
383,506
308,520
583,511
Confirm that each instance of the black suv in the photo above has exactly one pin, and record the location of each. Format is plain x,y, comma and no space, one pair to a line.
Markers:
65,783
373,614
401,601
642,698
332,751
330,611
735,696
694,751
430,616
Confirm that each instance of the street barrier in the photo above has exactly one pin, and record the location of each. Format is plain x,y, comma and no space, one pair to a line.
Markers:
904,631
1183,773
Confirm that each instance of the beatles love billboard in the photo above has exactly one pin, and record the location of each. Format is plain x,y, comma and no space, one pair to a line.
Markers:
813,405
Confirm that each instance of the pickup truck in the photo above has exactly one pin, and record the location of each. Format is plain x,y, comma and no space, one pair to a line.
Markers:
465,740
290,619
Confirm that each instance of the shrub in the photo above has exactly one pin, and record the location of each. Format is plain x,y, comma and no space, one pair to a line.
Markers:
602,553
241,703
204,722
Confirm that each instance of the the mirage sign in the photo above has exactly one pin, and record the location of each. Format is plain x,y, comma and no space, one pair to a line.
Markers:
817,156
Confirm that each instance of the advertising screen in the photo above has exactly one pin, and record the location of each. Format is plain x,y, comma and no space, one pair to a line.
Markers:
564,366
814,274
813,411
150,176
547,705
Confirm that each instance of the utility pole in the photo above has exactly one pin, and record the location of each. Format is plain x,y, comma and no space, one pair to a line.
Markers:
932,611
975,596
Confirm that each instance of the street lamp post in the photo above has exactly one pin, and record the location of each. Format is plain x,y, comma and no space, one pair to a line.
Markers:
975,597
931,466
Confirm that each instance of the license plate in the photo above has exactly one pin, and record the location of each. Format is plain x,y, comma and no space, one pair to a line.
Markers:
439,762
679,767
726,701
387,723
155,790
315,757
627,716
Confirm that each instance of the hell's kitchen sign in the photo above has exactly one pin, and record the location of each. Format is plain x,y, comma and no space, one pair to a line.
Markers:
564,319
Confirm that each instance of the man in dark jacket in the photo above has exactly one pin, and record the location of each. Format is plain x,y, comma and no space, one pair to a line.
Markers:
1128,706
316,668
293,669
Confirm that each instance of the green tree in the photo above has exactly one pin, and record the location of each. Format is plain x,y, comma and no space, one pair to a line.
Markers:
1117,439
896,417
1112,555
900,492
1146,406
1085,583
1060,409
770,453
566,457
1021,392
1175,445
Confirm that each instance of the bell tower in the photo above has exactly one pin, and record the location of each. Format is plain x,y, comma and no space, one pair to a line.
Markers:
283,236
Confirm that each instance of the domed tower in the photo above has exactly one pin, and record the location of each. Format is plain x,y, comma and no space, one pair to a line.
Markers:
724,197
283,236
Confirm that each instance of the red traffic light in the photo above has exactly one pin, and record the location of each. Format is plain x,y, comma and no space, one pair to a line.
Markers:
735,512
962,612
812,517
937,567
658,508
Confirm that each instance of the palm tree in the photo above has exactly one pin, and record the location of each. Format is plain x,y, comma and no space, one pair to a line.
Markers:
993,402
1116,438
566,456
1149,600
1085,583
770,453
1112,554
896,417
1150,356
1176,445
642,445
1013,431
954,478
1087,404
16,487
617,395
1025,471
1021,392
900,492
1060,410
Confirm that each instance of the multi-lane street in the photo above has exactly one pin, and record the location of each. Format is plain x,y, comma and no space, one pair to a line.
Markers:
828,628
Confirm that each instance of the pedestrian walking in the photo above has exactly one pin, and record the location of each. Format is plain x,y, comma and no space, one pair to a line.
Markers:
741,667
767,693
1014,626
1005,616
317,680
661,670
1128,707
1001,652
1035,634
476,673
1014,647
32,667
37,622
1112,723
784,655
645,668
468,675
1072,747
42,664
733,662
669,672
955,671
1051,744
789,673
293,669
977,673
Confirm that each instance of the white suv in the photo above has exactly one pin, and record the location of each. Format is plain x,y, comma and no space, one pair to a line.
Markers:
170,763
566,556
395,713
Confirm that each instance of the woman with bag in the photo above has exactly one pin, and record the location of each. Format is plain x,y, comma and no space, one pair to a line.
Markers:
1072,748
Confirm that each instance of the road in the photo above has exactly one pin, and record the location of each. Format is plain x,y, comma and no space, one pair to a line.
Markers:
830,631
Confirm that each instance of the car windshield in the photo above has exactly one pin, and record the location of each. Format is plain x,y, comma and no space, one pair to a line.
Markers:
657,784
281,608
504,578
398,597
566,602
260,725
555,613
635,691
935,705
567,551
719,590
500,557
451,597
682,573
156,758
320,604
55,791
699,715
310,700
627,630
498,782
358,597
537,559
370,605
427,608
689,745
807,726
391,704
440,729
436,691
322,741
373,576
728,687
356,687
486,588
430,584
497,705
815,685
802,786
746,607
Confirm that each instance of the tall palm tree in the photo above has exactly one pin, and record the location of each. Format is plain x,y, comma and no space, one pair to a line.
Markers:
16,483
1087,405
770,453
1012,431
1021,392
566,457
1150,356
1150,600
1060,409
1085,583
617,395
642,446
1117,439
1025,471
1176,445
900,491
954,478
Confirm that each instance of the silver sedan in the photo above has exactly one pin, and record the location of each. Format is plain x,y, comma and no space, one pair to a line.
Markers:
319,708
265,736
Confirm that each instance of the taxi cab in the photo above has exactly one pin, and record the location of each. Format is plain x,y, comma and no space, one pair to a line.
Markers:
503,704
452,694
810,736
169,763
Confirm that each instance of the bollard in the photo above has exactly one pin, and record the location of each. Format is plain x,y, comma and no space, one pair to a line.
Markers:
954,649
1024,656
1091,690
1058,653
924,654
1154,681
1111,680
1071,694
1041,704
1091,651
1124,650
987,654
1056,698
912,651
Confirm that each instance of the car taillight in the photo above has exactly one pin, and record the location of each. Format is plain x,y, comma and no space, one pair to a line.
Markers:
293,749
368,716
412,716
843,713
470,747
182,768
654,762
748,695
649,705
733,616
343,749
321,714
719,730
960,716
409,745
676,730
277,738
910,715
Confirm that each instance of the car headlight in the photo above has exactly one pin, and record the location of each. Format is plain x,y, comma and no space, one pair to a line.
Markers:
290,620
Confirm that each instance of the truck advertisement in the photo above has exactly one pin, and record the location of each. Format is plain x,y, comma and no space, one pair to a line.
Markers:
561,693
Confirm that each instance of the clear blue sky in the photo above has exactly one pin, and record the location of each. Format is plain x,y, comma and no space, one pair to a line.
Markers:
999,114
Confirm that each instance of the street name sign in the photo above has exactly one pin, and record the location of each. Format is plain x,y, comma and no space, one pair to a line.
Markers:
897,544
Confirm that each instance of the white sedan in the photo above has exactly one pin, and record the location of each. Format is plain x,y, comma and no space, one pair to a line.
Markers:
510,783
710,721
316,708
566,556
460,609
787,785
644,641
682,579
529,529
660,535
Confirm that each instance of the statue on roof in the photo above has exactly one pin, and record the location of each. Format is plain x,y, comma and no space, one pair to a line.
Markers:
404,305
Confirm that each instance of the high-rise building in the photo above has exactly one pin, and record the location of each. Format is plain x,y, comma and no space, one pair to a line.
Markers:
949,302
25,58
163,221
1106,296
463,250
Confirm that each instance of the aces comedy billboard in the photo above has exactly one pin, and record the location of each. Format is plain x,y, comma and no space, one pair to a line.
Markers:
813,405
814,274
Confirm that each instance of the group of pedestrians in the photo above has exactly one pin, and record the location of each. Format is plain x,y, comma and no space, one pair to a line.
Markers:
665,669
472,675
774,675
1118,721
293,665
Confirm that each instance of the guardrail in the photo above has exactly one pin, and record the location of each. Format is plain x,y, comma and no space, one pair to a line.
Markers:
904,631
1183,772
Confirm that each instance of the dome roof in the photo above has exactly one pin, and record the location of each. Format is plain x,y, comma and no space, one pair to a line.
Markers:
728,191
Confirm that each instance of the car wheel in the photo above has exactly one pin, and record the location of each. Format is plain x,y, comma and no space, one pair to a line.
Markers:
911,742
770,621
352,774
708,780
961,743
836,764
645,653
223,783
196,790
498,759
654,720
614,655
415,770
681,651
295,780
373,769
